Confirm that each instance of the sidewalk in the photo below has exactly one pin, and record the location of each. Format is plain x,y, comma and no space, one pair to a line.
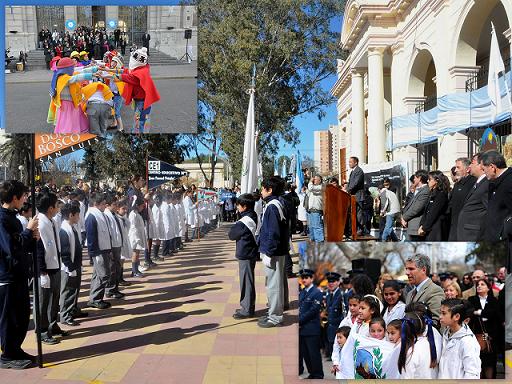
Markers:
174,326
175,71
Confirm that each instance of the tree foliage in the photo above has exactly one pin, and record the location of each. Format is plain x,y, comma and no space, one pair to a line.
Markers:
125,155
293,48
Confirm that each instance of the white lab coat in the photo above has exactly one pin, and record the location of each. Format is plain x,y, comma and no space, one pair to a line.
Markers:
166,219
158,222
190,211
137,232
397,312
460,357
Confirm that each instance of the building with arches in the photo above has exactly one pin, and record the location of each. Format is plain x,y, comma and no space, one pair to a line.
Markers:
165,24
408,63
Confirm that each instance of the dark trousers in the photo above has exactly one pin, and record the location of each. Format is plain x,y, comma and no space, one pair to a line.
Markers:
14,318
115,265
49,304
70,287
247,286
166,247
309,347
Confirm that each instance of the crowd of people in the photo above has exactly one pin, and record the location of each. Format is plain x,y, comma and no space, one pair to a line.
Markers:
432,326
113,227
476,207
95,41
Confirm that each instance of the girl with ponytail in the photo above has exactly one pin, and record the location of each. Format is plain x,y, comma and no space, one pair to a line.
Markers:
417,342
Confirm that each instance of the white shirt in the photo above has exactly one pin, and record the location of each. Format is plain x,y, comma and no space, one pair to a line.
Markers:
397,312
417,363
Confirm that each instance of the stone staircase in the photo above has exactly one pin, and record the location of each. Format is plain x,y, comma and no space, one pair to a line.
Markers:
36,59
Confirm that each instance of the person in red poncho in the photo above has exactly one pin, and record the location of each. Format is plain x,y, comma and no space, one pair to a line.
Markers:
139,88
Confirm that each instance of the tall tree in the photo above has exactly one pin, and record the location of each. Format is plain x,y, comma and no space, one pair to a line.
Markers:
293,48
15,151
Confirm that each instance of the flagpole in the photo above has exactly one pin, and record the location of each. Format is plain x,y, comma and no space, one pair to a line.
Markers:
35,266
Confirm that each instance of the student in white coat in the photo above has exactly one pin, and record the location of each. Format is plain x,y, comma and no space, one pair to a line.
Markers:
137,235
175,244
49,260
418,353
182,225
150,233
189,206
158,223
167,235
460,357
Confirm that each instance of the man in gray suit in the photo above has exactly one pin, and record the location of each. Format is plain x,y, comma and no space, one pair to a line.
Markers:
471,220
417,269
412,212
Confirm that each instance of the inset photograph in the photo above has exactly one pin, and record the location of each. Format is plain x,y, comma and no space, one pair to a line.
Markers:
99,69
424,310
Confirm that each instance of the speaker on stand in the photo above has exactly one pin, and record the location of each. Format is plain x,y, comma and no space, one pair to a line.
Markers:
371,267
186,56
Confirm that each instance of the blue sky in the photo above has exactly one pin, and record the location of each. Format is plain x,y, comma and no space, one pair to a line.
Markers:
309,123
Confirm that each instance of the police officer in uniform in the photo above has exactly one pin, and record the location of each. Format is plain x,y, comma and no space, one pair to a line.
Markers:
334,307
310,299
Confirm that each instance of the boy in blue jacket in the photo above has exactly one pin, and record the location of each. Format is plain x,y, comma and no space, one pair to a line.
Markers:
244,231
273,246
15,245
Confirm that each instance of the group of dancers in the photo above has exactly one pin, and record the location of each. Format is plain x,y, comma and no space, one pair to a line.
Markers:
87,96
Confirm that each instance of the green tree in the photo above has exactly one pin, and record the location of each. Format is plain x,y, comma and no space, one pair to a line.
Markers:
293,48
16,151
121,156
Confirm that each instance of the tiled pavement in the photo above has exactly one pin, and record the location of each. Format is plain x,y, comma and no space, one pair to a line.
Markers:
175,326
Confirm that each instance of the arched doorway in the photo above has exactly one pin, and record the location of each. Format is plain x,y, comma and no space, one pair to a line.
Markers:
422,84
473,49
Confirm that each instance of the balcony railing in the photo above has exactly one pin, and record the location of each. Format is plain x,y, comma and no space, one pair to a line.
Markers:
429,103
479,79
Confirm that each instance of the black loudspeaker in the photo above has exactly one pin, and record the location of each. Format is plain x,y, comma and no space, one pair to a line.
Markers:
371,267
188,34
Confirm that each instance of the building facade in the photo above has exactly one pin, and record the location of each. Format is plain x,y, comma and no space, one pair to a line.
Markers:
406,58
323,152
165,24
221,179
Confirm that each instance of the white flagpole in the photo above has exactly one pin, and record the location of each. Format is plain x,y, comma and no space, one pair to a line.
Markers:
249,180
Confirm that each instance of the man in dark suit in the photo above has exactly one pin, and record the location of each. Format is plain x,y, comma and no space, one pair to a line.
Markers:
145,41
470,224
413,211
310,299
356,187
500,195
417,269
459,192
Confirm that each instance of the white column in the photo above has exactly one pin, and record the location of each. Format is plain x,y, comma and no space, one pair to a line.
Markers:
357,144
376,124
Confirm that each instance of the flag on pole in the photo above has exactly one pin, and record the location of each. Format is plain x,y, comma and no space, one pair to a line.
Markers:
283,168
496,66
299,175
291,169
250,160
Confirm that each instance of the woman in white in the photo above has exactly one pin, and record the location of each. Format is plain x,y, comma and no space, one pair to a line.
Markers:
137,235
302,214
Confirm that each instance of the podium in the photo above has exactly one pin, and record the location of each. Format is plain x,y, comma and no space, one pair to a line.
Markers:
338,205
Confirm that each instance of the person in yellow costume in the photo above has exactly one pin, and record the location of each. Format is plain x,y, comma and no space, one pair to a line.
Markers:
66,96
98,97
